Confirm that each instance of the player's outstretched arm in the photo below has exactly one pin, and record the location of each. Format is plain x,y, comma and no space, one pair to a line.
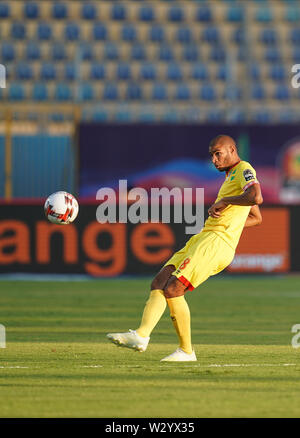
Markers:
254,217
251,196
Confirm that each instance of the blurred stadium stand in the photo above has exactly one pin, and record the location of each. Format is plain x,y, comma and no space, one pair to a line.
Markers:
210,54
188,61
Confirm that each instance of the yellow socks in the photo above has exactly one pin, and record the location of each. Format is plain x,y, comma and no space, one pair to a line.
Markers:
153,311
179,312
180,315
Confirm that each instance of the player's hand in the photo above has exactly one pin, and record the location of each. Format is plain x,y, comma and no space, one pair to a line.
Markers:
216,209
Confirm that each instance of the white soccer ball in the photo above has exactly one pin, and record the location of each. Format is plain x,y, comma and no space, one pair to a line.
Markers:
61,208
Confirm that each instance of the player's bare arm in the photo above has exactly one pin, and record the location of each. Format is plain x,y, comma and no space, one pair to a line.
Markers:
254,218
251,196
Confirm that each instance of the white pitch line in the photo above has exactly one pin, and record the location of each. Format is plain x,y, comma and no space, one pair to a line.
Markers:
213,365
14,367
92,366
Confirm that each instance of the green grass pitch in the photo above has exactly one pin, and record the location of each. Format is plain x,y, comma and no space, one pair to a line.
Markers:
58,363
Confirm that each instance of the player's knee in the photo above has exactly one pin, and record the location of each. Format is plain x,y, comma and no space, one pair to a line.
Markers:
155,284
174,289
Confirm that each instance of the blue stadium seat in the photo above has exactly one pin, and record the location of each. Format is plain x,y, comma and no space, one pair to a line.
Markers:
4,10
146,116
262,116
200,72
87,51
59,10
277,72
146,13
282,92
134,92
110,92
47,71
72,32
40,91
242,54
100,32
63,92
258,92
148,71
268,36
58,52
16,91
128,32
215,115
296,54
86,91
138,52
123,115
272,54
7,51
232,93
97,71
24,71
255,71
170,116
175,14
264,14
190,53
207,92
18,30
165,53
174,72
157,33
70,72
111,51
33,50
118,12
238,35
123,71
223,72
100,116
44,31
88,11
295,35
204,14
182,92
211,34
235,14
31,10
159,91
292,13
184,35
217,54
236,116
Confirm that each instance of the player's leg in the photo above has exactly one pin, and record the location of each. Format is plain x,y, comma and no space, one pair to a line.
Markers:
156,304
180,315
154,309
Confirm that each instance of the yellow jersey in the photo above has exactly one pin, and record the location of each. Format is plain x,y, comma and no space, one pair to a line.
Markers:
230,224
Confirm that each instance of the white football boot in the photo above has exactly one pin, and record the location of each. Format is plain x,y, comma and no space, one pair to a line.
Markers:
130,340
180,356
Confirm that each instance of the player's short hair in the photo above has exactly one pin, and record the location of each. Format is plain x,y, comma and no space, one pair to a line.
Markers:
222,138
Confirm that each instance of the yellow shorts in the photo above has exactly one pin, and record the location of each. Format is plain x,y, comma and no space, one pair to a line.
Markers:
205,254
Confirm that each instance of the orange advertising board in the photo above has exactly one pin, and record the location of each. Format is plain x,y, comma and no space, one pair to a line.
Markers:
265,248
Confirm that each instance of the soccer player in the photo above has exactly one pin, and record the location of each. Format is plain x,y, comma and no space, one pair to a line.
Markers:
206,253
